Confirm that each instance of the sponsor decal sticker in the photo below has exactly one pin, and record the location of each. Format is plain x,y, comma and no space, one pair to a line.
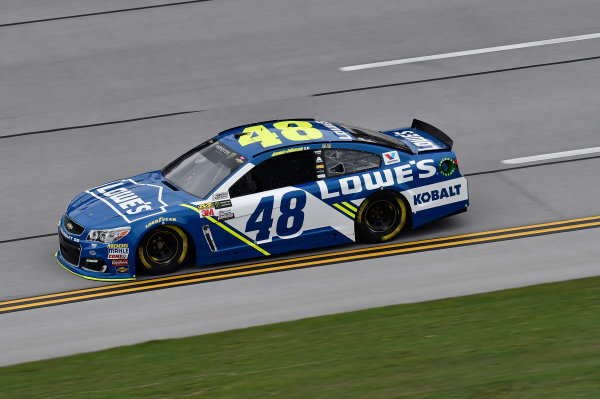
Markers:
435,195
118,245
120,262
222,204
161,221
206,206
390,158
319,160
225,216
122,269
221,196
67,236
230,154
447,166
320,166
207,212
321,176
417,140
438,194
336,130
118,251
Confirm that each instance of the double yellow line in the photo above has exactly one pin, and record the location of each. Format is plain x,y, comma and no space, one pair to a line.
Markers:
299,262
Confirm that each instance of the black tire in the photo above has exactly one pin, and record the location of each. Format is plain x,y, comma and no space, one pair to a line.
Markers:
381,217
163,250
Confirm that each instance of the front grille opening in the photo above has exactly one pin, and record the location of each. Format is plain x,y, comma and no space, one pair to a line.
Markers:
70,251
72,227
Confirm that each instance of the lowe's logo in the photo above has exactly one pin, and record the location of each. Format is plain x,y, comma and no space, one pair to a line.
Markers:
378,179
130,199
434,195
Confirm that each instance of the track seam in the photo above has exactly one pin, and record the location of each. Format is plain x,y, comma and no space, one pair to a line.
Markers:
142,118
530,166
91,14
313,95
465,75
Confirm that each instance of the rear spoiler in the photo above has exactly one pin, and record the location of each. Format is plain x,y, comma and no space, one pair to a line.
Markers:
434,131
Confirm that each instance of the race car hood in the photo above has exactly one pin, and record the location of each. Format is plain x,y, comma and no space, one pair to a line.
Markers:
122,202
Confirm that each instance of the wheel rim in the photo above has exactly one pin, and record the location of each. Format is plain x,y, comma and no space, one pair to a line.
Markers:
380,216
161,246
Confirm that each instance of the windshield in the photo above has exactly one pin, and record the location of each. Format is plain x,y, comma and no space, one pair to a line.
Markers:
200,171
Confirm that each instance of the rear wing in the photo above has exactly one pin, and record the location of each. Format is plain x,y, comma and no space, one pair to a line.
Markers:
433,131
421,137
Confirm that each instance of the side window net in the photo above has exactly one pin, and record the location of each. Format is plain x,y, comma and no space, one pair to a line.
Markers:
280,171
340,162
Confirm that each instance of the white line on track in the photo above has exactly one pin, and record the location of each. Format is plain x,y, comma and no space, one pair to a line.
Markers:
471,52
553,155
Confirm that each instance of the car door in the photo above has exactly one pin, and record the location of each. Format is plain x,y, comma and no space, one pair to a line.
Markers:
277,205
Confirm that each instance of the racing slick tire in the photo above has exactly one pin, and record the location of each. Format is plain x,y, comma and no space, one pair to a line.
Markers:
381,217
163,250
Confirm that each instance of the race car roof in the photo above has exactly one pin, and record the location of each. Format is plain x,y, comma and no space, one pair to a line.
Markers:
253,139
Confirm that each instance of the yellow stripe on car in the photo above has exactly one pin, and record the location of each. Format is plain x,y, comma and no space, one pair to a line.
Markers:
230,231
346,211
350,206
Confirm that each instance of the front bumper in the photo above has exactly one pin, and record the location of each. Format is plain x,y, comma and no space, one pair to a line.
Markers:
93,260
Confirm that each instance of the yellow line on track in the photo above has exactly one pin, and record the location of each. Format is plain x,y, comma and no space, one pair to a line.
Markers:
297,264
402,244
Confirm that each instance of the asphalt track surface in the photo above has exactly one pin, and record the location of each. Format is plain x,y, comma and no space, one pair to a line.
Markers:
93,91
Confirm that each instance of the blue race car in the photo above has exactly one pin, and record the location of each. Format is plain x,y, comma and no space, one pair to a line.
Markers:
264,189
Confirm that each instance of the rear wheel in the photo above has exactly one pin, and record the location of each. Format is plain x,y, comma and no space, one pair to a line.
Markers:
381,217
163,250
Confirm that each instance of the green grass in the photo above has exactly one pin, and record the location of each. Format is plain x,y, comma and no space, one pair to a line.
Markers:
534,342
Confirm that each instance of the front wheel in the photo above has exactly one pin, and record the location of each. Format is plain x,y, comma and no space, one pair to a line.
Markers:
163,250
381,217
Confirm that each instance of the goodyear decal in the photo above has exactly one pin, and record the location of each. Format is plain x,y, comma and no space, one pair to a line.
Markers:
160,221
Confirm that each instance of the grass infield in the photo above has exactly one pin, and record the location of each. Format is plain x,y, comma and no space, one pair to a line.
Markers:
535,342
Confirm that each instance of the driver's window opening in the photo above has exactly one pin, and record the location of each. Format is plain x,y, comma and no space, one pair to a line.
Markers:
279,171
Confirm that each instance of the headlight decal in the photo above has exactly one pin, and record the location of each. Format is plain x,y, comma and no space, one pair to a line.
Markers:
109,235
